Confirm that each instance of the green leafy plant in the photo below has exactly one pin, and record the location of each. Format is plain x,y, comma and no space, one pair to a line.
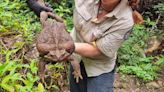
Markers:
12,79
132,58
16,73
15,18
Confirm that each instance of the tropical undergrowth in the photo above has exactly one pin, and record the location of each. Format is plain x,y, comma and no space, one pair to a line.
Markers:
18,27
132,57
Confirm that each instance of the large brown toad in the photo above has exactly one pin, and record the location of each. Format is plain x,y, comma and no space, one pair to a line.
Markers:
55,44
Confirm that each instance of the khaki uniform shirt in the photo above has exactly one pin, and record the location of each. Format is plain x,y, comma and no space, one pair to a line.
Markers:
109,33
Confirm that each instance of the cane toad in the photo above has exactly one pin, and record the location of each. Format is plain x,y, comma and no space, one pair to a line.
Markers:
55,44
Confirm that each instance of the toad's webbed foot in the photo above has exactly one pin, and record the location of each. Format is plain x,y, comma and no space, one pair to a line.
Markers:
76,66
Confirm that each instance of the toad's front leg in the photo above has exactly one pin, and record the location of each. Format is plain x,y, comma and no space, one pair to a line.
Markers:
76,66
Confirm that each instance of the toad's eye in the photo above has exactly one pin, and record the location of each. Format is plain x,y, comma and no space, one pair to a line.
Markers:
70,50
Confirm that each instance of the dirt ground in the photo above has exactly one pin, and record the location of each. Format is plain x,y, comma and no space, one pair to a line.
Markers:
129,83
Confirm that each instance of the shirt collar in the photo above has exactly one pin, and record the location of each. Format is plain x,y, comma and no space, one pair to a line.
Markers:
116,11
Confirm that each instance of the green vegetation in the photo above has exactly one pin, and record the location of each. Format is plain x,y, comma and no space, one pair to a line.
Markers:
19,25
16,19
132,58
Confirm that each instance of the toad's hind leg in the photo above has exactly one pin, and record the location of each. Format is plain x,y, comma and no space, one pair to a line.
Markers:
76,66
41,71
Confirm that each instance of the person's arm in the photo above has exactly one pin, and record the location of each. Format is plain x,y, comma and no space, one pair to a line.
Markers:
108,45
87,50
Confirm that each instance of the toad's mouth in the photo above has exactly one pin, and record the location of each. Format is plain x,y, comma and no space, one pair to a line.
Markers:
54,58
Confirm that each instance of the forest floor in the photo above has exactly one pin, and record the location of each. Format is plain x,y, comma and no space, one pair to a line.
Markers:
129,83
